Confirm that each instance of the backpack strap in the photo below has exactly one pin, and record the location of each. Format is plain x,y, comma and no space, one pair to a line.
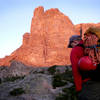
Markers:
81,45
93,47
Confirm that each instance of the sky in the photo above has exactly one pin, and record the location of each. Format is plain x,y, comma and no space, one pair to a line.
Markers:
16,16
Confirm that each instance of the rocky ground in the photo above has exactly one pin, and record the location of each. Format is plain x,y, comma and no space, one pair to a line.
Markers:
21,82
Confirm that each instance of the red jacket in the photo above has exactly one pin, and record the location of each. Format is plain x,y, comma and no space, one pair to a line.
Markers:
76,53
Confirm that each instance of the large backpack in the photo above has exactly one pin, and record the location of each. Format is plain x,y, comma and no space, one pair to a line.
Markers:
92,44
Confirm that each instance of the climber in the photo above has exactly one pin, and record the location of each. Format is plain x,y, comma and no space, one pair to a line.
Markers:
89,65
76,43
85,72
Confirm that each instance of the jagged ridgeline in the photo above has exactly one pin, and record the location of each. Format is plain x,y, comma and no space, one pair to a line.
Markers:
46,43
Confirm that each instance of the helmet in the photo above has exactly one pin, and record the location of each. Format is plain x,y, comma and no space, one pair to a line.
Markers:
85,63
73,38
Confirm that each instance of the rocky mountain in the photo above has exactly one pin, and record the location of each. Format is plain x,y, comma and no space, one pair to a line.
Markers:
46,44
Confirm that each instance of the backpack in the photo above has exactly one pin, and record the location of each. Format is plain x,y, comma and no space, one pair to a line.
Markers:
91,42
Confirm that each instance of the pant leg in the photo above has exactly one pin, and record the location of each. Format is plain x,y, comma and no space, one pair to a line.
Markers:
90,91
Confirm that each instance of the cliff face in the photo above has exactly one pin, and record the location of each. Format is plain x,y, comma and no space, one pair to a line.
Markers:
46,44
50,31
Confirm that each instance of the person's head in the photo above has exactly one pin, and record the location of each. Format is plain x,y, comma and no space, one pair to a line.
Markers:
74,40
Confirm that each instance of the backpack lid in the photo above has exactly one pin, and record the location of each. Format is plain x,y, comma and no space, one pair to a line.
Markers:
93,30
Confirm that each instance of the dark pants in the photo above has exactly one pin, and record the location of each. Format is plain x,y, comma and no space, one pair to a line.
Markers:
90,91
